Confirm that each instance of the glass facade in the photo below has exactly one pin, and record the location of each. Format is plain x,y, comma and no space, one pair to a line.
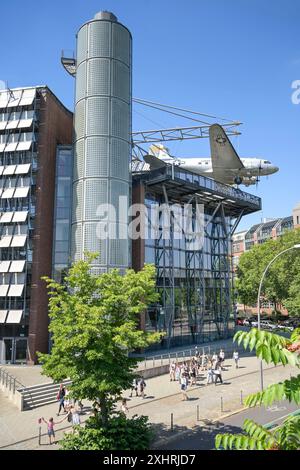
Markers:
62,213
194,286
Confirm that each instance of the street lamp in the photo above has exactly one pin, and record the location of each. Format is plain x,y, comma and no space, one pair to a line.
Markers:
258,303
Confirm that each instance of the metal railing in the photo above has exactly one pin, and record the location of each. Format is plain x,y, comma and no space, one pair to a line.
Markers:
186,355
10,382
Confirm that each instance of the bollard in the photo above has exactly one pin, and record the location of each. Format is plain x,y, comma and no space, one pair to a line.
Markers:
222,405
14,385
198,417
145,364
242,397
169,359
172,422
153,362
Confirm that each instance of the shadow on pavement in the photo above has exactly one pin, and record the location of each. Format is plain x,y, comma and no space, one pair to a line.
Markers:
202,437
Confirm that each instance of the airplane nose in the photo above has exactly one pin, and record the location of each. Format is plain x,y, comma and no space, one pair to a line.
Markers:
275,169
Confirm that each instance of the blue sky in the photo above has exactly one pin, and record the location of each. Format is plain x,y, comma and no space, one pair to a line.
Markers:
233,58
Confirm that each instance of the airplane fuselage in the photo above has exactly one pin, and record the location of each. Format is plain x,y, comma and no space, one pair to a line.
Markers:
253,168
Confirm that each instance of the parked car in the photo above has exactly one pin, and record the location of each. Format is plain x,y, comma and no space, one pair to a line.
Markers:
267,325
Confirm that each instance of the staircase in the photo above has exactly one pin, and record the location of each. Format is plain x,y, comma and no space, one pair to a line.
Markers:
40,395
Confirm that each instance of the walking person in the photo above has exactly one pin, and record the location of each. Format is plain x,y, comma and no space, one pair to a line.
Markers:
124,407
236,359
50,428
183,387
177,373
210,375
172,371
214,359
222,356
61,398
142,386
218,375
134,387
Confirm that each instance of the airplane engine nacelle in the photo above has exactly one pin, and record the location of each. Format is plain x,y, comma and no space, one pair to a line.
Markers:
238,180
248,180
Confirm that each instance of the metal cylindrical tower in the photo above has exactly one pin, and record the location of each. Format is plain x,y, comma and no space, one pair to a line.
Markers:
102,142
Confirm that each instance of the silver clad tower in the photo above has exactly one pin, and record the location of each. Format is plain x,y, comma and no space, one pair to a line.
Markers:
102,142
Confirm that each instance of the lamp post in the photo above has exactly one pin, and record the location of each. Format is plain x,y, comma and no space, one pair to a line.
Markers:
258,303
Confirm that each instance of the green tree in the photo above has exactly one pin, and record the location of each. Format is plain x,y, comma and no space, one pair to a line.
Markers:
281,275
292,302
274,349
94,324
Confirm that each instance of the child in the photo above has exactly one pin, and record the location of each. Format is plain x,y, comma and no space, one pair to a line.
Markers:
50,428
124,407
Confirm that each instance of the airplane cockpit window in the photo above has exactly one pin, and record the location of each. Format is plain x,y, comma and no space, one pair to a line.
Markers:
266,161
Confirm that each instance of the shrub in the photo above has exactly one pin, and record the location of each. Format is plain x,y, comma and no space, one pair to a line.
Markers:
120,433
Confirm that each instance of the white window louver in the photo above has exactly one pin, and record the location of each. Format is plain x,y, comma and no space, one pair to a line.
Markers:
5,241
3,314
3,290
18,240
17,266
22,169
15,290
6,217
4,266
22,192
14,316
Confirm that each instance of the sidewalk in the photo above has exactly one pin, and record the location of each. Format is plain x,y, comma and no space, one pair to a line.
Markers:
163,398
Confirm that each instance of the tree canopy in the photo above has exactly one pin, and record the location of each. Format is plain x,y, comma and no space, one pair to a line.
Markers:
282,281
94,324
274,349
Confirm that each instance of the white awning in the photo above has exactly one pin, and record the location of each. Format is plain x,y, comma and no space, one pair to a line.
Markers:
19,216
2,125
14,316
6,217
22,169
17,266
4,266
5,241
12,124
22,192
14,99
3,290
24,145
3,314
11,147
27,97
9,170
25,123
16,290
2,147
8,193
19,240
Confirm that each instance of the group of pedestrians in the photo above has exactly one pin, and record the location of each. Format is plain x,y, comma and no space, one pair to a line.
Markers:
138,386
188,372
70,409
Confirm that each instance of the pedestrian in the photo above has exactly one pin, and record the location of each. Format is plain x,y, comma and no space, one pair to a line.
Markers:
218,375
67,398
210,375
50,428
222,356
134,387
177,372
236,359
172,371
183,387
61,398
214,359
124,407
142,386
75,416
193,375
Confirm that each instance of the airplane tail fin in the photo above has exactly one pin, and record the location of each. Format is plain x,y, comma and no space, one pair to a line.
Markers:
223,154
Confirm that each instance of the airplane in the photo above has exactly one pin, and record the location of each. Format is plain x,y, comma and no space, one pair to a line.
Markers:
224,165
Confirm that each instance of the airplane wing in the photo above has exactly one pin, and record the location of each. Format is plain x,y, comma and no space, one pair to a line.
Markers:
154,162
225,160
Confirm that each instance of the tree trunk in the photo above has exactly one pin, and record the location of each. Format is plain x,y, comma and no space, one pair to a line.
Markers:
103,410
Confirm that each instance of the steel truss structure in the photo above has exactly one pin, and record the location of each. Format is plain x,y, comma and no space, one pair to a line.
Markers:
206,280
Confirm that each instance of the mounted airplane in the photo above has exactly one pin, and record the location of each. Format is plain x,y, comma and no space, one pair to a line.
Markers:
224,165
